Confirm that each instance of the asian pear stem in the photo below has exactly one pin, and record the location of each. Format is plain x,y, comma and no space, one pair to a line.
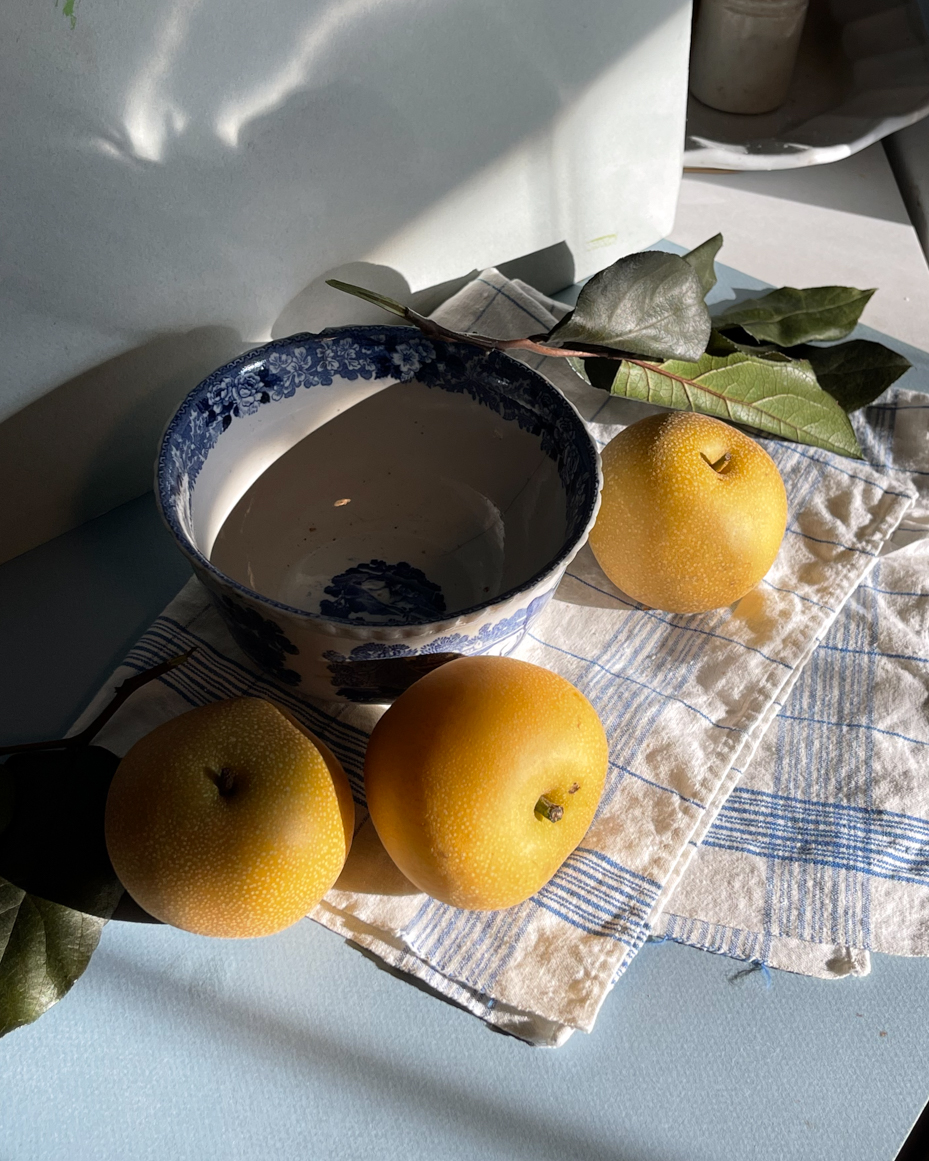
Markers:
721,464
225,781
548,809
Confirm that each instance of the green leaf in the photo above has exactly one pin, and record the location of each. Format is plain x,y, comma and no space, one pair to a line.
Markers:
737,339
369,296
789,316
721,345
703,260
57,887
53,845
44,948
648,304
854,373
782,398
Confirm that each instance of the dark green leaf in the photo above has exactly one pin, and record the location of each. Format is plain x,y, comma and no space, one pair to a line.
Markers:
782,398
54,845
721,345
789,316
369,296
57,886
742,340
599,373
703,260
44,948
854,373
648,304
737,339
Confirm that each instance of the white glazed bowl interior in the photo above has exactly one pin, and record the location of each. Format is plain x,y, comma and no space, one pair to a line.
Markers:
414,505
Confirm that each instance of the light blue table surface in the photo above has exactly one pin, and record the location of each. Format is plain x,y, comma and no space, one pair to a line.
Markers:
298,1046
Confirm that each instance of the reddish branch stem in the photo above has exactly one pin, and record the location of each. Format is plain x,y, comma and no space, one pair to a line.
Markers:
532,343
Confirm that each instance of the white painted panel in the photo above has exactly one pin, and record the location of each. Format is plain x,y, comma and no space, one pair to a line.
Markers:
178,171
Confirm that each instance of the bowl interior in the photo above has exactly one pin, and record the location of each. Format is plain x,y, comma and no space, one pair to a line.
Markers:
411,506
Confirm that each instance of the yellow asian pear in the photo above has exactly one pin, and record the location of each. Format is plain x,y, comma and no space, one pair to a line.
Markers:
483,777
692,515
229,820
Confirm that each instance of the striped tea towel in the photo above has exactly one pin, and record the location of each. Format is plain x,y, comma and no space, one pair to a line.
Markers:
685,701
821,852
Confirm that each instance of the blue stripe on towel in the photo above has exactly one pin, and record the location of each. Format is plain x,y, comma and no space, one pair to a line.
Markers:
881,843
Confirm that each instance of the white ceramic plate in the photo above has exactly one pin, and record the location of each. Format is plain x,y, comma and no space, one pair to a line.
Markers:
861,74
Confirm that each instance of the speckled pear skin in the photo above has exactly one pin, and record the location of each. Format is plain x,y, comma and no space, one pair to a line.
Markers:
456,766
678,533
229,820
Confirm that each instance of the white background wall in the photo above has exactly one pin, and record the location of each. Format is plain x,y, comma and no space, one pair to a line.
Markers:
175,173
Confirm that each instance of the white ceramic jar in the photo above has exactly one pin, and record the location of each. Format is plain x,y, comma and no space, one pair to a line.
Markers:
744,53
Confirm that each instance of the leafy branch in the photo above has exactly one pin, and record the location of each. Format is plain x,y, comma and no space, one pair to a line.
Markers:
434,330
57,887
755,364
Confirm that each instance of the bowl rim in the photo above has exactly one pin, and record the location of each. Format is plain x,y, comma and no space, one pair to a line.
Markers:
498,362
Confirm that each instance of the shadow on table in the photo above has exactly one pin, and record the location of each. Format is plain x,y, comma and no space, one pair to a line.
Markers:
366,1078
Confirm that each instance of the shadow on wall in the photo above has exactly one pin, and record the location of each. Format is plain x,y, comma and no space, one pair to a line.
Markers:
63,456
318,306
91,443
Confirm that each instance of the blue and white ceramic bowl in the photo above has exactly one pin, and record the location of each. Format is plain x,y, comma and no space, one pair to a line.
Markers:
354,537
